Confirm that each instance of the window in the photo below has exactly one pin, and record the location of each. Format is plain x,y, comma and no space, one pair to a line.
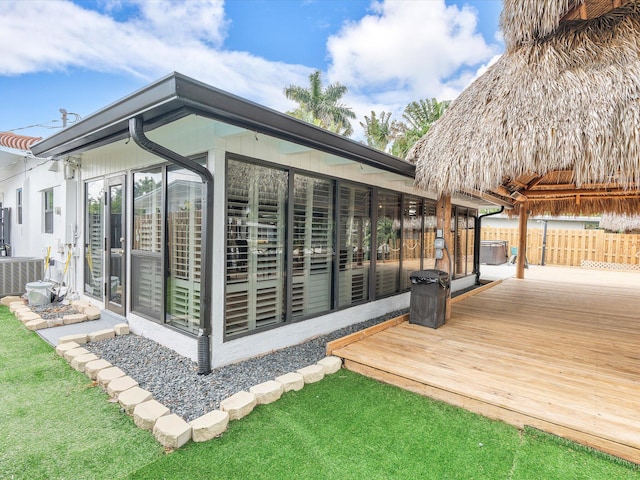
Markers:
312,246
48,210
19,205
463,228
411,238
94,238
257,199
147,244
430,226
184,249
166,245
299,245
354,237
388,238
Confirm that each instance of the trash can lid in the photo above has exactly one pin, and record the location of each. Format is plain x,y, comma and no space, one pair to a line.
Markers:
428,276
39,284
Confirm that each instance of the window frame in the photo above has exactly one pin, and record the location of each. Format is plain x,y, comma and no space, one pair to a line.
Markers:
47,211
19,206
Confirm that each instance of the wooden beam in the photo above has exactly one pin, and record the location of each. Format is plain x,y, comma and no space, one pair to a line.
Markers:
489,197
572,186
522,240
583,11
367,332
443,222
535,182
579,191
475,291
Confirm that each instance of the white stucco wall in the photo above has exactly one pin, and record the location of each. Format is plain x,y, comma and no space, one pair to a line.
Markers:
28,239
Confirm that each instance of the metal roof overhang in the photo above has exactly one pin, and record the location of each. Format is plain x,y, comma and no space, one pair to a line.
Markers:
176,96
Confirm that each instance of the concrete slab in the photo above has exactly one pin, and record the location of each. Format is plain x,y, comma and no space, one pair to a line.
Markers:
51,335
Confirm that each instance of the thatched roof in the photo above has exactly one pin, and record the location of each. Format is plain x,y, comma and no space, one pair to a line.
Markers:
559,111
620,223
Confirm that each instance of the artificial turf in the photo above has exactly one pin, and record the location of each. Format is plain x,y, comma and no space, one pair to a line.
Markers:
55,424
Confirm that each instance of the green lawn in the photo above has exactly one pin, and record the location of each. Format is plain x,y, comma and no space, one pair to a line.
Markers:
56,425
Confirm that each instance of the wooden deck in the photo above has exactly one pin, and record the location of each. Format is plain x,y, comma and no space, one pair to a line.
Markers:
561,357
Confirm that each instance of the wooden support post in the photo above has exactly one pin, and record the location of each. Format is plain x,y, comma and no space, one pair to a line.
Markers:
443,219
522,239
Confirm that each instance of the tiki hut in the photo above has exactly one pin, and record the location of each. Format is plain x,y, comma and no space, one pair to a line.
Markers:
554,124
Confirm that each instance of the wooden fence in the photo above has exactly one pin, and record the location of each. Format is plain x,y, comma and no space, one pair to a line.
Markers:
573,247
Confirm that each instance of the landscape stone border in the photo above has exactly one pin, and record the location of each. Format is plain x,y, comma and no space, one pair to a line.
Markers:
33,321
169,429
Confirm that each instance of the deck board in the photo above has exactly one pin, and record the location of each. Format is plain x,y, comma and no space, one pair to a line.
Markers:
559,356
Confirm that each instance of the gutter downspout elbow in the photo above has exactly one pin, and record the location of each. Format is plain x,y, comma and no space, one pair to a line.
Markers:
136,130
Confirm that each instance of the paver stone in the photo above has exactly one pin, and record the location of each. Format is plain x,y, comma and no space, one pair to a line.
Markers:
172,431
209,426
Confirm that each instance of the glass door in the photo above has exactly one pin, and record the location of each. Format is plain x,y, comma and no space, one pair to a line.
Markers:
115,246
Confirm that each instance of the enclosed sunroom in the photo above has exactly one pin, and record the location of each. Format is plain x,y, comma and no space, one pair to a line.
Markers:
203,215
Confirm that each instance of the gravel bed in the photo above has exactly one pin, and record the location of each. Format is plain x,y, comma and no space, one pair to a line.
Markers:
173,379
53,310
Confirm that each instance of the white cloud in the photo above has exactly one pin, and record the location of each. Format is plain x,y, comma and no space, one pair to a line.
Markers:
184,21
414,49
163,37
402,51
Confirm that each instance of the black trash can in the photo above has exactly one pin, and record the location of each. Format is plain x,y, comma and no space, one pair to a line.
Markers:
429,292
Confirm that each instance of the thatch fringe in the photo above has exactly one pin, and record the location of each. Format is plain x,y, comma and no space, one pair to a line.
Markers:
523,22
620,222
568,101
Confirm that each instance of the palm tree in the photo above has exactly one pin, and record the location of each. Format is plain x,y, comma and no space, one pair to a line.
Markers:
418,117
379,131
320,106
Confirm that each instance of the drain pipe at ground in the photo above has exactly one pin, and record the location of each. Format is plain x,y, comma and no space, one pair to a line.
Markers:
476,242
136,130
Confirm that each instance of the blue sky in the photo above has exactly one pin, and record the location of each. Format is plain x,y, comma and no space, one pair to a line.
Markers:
84,55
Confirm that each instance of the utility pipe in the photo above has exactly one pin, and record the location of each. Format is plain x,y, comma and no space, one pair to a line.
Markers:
476,242
136,130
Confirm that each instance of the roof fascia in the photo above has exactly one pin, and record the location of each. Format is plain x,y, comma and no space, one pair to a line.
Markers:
177,96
